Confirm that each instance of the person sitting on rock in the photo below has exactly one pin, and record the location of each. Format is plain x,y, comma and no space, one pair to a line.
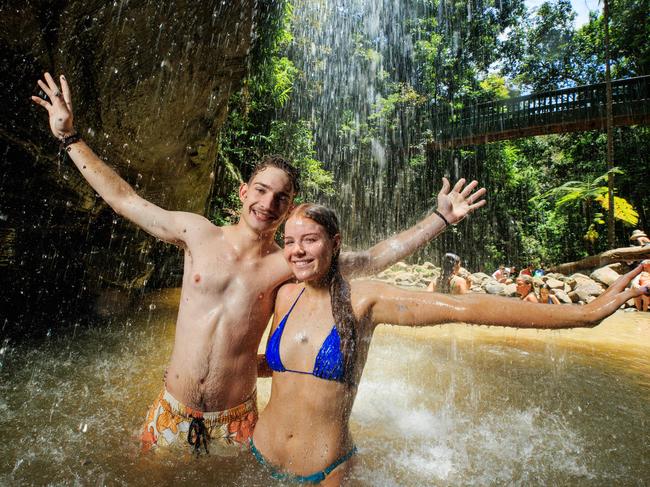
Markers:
640,238
449,281
527,271
642,302
525,288
545,296
500,274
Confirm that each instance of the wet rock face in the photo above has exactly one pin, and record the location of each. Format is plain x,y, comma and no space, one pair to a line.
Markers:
150,83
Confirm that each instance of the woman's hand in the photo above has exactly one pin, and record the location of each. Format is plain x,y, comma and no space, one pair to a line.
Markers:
59,107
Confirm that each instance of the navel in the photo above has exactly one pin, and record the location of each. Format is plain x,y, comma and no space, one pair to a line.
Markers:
197,277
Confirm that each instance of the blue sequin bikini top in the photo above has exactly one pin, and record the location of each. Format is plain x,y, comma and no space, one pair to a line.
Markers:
329,364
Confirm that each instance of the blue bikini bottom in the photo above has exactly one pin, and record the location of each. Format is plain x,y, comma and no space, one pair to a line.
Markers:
314,478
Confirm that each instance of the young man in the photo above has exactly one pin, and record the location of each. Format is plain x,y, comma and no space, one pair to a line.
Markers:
230,278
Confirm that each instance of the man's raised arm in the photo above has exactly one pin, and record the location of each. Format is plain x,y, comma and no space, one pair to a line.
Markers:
170,226
453,206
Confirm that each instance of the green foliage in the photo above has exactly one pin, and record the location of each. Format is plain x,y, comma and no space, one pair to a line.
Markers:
588,194
253,129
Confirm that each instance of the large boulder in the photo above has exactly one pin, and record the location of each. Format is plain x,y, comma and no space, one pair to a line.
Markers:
151,83
509,290
493,287
554,283
562,296
585,289
605,275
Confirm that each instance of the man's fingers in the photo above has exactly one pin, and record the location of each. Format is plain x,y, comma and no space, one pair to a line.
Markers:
469,188
478,195
39,101
477,205
445,186
65,88
459,185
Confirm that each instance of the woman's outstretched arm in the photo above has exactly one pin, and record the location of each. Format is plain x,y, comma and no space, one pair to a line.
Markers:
389,304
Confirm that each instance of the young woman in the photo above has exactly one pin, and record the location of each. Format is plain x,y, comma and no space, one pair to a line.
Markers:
449,281
320,337
545,296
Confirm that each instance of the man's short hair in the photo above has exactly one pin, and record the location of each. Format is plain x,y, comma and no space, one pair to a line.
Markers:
281,163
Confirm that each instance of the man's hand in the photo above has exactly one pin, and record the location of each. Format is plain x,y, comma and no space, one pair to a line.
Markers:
458,203
59,106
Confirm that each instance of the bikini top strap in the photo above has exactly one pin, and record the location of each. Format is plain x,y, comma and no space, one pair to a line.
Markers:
294,303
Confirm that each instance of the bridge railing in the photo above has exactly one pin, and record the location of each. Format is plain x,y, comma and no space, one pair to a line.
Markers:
631,97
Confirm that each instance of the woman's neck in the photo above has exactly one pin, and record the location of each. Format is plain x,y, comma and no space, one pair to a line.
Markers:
317,288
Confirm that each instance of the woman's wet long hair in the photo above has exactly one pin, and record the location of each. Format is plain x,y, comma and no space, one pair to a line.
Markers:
443,285
339,288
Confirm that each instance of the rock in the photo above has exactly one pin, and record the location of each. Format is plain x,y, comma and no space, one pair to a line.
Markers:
403,277
150,83
574,296
562,296
538,281
576,279
589,299
590,288
480,277
554,283
494,287
578,276
584,290
400,266
605,275
556,275
429,265
620,267
509,290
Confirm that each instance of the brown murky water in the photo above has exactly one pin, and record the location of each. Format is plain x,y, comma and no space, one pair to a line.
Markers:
452,405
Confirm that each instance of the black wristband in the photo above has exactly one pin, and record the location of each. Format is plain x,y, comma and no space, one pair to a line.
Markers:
69,140
442,217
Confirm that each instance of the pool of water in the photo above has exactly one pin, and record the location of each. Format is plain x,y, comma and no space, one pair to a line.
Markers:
434,408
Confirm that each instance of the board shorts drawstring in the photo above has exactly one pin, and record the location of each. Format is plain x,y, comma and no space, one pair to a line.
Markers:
197,427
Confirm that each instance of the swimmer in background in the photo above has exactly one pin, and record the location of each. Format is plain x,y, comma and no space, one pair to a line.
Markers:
449,281
642,303
525,288
545,295
321,333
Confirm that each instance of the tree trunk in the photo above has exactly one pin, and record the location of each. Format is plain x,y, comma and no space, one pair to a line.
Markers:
611,256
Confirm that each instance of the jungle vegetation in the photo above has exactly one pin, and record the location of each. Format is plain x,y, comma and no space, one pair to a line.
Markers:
545,199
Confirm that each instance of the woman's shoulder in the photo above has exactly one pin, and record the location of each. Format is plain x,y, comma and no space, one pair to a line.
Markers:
287,292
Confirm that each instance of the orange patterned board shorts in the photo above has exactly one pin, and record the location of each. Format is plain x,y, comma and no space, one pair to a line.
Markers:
170,422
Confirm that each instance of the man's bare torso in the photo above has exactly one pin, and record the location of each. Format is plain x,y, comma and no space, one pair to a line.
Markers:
226,302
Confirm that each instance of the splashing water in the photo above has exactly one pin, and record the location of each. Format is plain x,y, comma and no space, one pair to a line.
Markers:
432,408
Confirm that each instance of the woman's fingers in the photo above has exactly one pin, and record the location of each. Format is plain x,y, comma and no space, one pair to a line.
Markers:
621,283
